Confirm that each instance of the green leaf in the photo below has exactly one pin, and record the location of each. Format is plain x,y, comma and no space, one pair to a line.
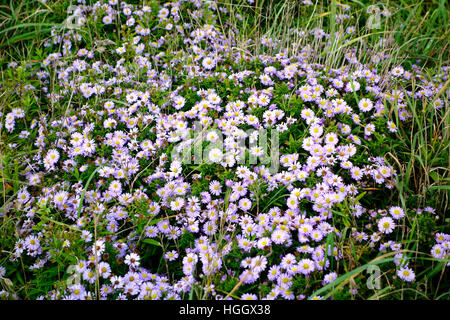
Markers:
152,242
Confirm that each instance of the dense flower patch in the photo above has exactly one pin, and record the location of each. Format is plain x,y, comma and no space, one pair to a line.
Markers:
180,167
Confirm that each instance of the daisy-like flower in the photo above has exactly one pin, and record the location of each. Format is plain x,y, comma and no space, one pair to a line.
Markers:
266,80
316,235
258,264
264,243
330,277
115,188
34,179
99,247
23,196
208,63
306,266
279,236
252,120
215,155
132,259
396,212
209,228
212,136
284,280
239,188
86,235
263,100
104,269
78,291
179,102
215,188
438,251
386,225
438,103
365,105
356,173
32,242
400,259
369,129
249,296
51,158
391,126
316,131
89,275
397,71
214,98
245,204
307,114
107,19
121,50
292,202
177,204
60,198
66,244
288,261
406,274
274,272
257,151
331,138
441,237
171,255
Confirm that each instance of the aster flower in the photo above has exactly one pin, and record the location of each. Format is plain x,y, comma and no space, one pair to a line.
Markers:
284,280
279,236
438,251
391,126
245,204
133,260
104,269
306,266
32,243
397,71
215,155
177,204
316,131
208,63
406,274
171,255
329,278
215,188
287,261
396,212
386,225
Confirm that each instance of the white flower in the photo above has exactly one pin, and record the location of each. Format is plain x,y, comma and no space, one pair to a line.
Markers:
406,274
215,155
99,247
315,131
212,136
365,105
396,212
177,204
132,259
208,63
386,225
257,151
